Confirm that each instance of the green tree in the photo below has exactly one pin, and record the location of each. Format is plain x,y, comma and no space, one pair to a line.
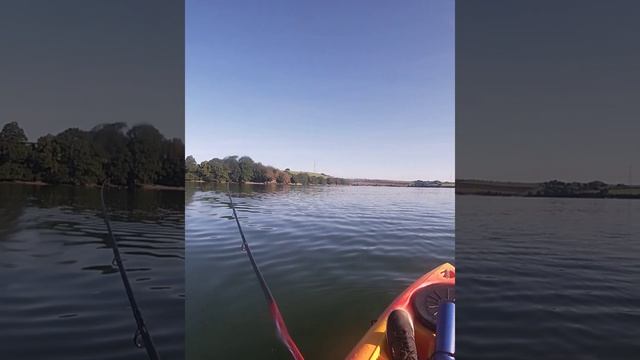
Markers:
12,132
270,174
259,173
141,155
233,168
219,171
264,174
246,165
191,168
48,160
70,157
146,147
14,153
243,169
283,177
204,172
112,145
173,163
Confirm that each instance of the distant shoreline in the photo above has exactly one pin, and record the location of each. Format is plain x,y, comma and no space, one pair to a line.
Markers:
243,170
550,189
401,183
358,182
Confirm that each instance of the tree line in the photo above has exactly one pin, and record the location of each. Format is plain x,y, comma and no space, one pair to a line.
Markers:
243,169
124,156
599,189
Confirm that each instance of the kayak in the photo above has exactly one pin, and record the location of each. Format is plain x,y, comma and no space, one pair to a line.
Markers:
420,301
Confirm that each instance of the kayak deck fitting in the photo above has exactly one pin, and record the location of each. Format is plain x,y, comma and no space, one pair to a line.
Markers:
420,301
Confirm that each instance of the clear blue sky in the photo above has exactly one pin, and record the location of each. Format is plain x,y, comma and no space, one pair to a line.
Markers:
363,88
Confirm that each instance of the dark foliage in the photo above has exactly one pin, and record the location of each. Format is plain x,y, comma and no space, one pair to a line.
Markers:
15,157
140,155
244,169
557,188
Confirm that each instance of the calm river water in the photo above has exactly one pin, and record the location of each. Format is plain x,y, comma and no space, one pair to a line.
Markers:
334,256
537,278
547,278
57,286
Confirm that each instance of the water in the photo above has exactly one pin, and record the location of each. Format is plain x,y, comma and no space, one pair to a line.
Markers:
60,296
334,256
542,278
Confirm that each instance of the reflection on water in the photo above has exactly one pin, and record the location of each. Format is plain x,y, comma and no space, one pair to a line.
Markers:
547,278
59,289
334,256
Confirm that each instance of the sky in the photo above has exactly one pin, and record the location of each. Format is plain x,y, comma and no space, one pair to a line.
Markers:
356,89
548,90
77,63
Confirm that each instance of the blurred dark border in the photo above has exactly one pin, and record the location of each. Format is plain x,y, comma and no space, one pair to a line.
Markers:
547,179
91,91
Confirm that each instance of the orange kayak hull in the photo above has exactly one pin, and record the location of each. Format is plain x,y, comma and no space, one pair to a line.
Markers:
373,345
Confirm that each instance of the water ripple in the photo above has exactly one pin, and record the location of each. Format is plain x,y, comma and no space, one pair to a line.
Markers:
557,277
60,290
334,257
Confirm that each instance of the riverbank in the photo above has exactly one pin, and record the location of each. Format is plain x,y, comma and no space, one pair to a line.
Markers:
354,182
159,187
401,183
37,183
138,186
594,189
244,170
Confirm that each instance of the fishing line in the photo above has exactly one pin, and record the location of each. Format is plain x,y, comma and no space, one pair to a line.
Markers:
281,327
141,332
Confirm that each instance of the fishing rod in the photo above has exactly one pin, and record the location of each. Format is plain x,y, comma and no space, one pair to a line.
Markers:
142,328
281,327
